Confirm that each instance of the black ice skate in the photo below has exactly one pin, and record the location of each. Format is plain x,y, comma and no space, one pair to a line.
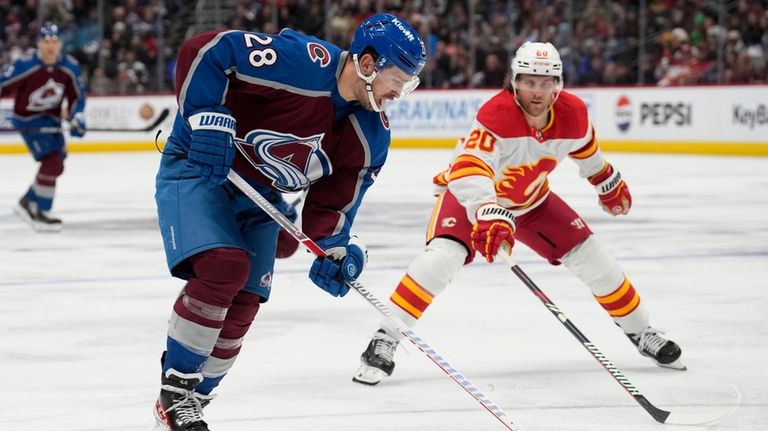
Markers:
664,352
376,361
179,407
40,221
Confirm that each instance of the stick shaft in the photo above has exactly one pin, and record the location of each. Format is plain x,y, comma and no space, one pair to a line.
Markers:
381,307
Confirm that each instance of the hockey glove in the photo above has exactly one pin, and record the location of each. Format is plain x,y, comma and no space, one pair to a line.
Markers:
612,191
495,226
212,148
77,125
344,263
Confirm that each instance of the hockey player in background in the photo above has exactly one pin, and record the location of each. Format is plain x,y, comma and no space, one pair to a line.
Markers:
496,190
40,85
288,112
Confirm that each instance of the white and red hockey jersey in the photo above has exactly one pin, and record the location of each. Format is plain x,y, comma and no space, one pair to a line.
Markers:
504,160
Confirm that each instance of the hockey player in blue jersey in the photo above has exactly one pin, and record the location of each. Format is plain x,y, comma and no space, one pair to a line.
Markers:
289,113
40,84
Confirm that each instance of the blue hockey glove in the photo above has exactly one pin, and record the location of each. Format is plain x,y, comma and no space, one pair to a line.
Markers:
344,263
212,149
77,125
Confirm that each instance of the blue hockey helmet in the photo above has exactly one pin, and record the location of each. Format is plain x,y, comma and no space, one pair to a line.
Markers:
49,30
394,41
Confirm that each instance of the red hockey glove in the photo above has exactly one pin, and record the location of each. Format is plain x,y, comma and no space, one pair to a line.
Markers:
495,226
612,191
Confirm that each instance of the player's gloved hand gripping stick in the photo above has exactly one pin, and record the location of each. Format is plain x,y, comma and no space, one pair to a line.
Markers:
438,359
345,263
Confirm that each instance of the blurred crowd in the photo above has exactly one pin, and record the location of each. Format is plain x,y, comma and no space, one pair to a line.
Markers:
131,49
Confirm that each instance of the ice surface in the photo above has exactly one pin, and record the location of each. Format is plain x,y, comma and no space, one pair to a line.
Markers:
83,313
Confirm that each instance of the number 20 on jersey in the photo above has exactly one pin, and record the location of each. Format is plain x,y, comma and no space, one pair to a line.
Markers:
483,140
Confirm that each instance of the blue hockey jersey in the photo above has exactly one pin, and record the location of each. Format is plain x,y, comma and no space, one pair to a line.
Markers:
294,127
39,90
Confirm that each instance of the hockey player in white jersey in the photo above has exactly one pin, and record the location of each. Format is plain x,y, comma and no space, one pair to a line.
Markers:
496,191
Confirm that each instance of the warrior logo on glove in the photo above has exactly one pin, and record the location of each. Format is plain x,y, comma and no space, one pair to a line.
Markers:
612,191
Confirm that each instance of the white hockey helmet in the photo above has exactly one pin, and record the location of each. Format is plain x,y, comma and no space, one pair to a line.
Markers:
537,58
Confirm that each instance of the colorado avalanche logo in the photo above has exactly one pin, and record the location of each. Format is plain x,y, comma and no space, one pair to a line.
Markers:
319,54
266,281
46,97
291,162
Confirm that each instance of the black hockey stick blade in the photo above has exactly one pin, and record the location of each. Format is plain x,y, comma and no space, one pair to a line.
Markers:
157,121
152,126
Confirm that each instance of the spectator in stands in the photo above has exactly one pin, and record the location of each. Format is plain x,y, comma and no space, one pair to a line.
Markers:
579,28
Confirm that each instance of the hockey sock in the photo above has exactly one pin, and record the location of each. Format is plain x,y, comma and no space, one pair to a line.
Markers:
427,276
199,312
44,187
594,265
239,318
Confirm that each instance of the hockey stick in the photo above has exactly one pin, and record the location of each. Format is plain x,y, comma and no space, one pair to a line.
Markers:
660,415
160,118
422,345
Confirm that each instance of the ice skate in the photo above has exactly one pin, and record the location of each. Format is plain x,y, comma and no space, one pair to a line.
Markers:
179,407
652,343
376,362
40,221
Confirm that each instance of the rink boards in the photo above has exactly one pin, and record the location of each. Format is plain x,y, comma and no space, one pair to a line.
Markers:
701,120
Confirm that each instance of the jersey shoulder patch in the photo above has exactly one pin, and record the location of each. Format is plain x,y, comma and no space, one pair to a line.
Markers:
318,53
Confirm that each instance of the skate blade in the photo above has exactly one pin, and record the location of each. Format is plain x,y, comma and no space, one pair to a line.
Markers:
677,365
47,228
368,375
36,226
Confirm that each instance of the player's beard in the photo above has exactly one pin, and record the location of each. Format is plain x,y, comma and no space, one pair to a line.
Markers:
537,109
361,95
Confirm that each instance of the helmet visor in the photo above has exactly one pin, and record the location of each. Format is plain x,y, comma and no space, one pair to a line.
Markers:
396,81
